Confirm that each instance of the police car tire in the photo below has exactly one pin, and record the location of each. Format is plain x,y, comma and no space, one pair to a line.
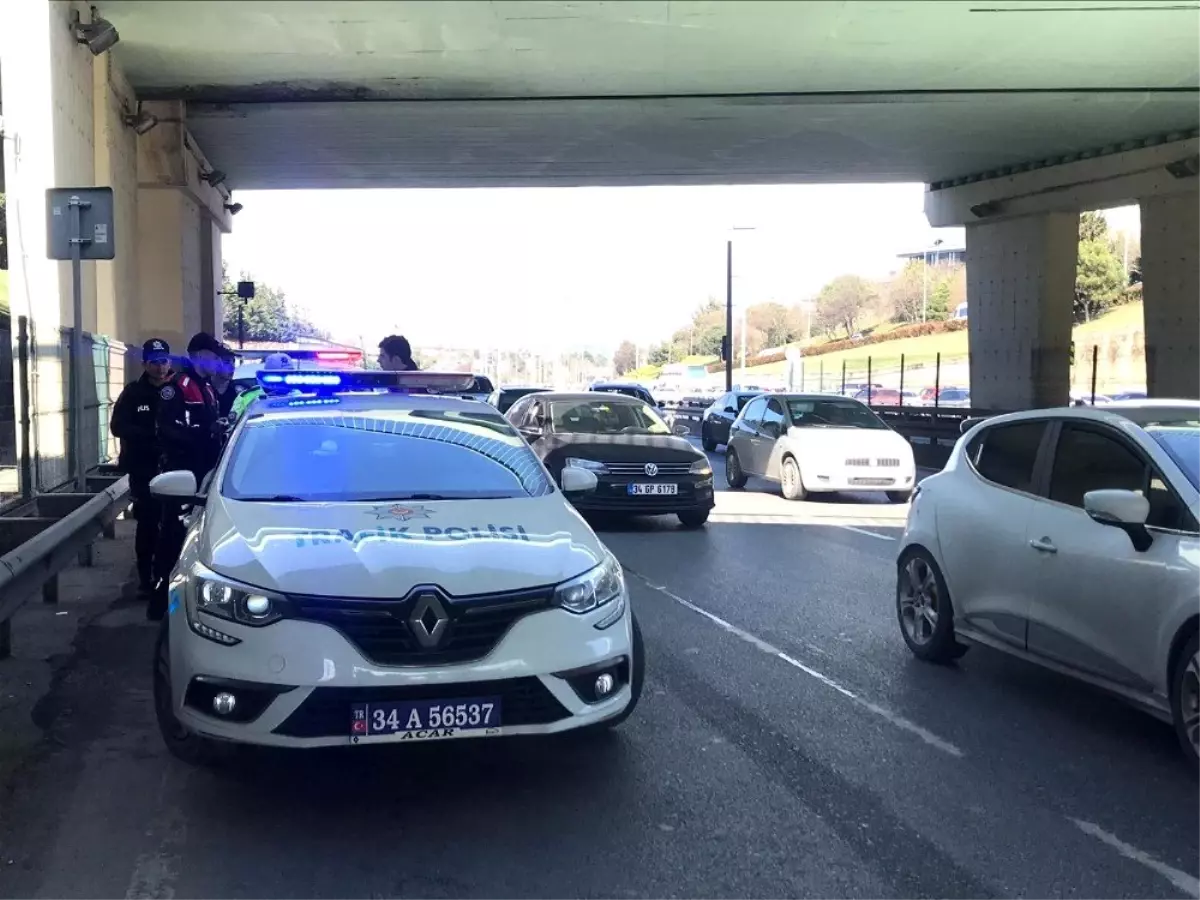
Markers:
635,685
181,742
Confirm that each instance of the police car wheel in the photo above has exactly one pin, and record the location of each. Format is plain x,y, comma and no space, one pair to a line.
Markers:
180,740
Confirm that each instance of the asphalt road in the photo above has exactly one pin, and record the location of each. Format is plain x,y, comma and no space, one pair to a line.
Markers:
786,745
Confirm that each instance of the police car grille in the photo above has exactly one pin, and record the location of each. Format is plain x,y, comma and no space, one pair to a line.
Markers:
639,468
326,711
381,631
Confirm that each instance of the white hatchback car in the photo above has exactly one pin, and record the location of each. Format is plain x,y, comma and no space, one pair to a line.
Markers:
818,443
384,566
1067,537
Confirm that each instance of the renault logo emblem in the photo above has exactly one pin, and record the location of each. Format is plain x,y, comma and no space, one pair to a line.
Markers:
651,469
428,620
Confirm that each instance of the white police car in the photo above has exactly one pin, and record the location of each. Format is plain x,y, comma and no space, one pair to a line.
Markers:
370,566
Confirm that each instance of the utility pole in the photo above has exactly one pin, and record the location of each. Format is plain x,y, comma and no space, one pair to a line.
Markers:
728,342
743,340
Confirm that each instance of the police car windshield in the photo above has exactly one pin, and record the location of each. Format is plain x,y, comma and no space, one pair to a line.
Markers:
361,457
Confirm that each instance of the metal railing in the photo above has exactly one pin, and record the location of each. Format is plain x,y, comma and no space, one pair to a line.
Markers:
44,535
1093,374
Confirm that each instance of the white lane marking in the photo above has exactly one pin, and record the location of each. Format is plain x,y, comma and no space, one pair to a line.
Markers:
886,714
1182,880
882,537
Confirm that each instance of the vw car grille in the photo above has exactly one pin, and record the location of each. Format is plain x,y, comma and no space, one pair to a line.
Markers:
638,469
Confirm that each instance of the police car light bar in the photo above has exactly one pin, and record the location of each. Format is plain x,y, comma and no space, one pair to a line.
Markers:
326,381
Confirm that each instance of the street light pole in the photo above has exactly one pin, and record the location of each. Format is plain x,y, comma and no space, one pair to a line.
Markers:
729,315
743,340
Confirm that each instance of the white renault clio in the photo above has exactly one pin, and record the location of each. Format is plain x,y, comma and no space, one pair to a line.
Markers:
371,565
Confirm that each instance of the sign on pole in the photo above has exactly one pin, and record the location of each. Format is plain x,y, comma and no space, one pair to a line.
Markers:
79,226
95,207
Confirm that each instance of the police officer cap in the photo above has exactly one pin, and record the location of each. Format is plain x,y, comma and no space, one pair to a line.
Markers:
155,349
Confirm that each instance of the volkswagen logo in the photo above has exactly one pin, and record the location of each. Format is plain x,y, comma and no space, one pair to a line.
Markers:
428,620
651,469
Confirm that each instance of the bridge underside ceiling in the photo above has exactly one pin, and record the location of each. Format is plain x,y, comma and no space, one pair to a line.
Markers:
373,94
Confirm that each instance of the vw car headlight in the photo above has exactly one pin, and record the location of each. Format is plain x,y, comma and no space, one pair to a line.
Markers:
573,462
226,599
701,467
592,589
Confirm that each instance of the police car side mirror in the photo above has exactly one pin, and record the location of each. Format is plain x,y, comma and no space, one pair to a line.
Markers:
681,430
180,484
578,481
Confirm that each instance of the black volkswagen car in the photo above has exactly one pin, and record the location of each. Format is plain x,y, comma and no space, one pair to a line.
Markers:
643,468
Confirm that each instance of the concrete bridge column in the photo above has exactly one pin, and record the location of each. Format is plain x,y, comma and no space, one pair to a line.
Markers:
180,222
1171,294
1021,281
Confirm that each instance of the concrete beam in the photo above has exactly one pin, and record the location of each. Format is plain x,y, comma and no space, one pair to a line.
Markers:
169,157
1101,182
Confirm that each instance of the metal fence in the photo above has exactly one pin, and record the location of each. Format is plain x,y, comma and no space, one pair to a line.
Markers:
36,402
1095,369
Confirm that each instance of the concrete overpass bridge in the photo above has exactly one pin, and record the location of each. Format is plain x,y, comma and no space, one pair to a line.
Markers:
1017,115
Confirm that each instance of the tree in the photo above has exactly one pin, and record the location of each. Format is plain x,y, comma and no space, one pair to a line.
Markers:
1092,227
938,309
1099,279
905,292
266,317
625,358
841,303
776,323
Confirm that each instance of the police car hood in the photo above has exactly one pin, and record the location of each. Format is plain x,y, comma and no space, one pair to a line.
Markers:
384,549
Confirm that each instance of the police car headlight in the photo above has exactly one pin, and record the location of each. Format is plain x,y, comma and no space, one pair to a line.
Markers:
593,588
701,467
228,600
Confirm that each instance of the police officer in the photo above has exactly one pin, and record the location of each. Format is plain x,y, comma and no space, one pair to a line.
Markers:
276,362
190,429
134,424
222,381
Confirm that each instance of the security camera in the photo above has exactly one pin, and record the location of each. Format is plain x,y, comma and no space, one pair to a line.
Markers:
215,177
141,122
233,208
99,34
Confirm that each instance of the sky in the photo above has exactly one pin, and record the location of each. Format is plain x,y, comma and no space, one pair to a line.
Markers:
546,268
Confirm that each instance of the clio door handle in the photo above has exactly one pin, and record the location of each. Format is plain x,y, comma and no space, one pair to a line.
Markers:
1045,545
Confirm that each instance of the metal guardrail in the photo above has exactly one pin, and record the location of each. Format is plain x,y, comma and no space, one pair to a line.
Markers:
46,534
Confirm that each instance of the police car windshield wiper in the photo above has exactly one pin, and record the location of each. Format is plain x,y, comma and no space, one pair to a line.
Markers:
276,498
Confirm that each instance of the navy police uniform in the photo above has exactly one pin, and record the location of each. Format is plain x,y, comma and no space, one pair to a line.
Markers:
190,432
134,423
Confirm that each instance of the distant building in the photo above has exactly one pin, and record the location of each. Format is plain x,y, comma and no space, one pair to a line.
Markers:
939,255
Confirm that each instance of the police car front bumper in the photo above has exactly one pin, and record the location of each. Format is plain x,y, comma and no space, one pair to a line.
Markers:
302,683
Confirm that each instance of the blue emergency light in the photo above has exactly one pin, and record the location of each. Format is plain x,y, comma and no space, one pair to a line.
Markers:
323,381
